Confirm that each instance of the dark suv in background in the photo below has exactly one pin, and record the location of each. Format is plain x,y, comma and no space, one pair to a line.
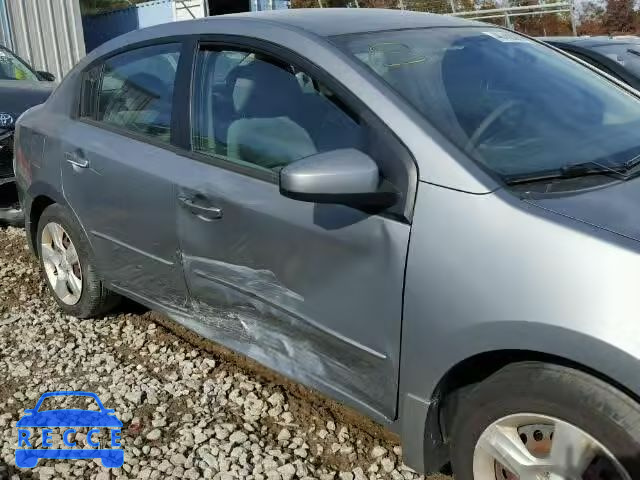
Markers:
21,87
619,56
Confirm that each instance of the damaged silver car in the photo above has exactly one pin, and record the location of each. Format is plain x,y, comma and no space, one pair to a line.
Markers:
431,220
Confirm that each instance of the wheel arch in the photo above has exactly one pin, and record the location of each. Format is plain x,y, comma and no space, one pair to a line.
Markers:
39,197
460,379
38,206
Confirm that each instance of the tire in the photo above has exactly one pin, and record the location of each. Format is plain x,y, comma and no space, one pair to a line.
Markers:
94,299
603,412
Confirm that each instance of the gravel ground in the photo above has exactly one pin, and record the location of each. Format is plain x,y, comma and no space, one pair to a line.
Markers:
190,408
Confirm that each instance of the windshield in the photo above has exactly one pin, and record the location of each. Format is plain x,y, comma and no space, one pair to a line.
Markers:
13,69
512,104
59,402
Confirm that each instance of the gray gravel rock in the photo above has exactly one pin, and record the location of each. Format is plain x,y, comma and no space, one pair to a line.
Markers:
187,414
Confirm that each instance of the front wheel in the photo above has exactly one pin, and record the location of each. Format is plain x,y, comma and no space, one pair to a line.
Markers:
535,421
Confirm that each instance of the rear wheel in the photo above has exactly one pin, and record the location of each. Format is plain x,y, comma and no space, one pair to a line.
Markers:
535,421
69,271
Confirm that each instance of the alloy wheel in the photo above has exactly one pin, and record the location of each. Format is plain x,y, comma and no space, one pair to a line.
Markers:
539,447
61,263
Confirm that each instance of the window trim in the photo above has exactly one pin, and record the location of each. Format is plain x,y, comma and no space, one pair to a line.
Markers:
131,135
94,101
350,100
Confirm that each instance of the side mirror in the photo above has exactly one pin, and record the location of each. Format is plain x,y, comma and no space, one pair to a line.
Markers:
346,176
46,76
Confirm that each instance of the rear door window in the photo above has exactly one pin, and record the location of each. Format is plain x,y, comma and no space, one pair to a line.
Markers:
136,91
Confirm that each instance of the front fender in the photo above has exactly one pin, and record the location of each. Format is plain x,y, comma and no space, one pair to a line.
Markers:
421,414
489,273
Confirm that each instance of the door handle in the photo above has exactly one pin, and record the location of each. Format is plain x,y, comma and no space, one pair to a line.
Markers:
202,212
75,160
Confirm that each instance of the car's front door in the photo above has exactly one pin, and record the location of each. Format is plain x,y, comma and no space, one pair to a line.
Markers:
311,290
117,170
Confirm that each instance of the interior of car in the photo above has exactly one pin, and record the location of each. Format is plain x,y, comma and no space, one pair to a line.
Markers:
268,114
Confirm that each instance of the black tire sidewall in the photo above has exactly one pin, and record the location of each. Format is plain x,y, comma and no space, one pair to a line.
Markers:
90,284
603,412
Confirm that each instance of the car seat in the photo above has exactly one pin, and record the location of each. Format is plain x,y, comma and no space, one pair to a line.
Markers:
265,98
146,102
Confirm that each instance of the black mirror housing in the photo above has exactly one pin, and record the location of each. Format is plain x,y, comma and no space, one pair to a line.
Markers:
46,76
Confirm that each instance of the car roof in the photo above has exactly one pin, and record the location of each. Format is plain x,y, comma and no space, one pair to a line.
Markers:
308,22
323,22
340,21
595,41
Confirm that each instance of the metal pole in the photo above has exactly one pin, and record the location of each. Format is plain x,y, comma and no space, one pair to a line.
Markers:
511,15
507,18
507,21
510,10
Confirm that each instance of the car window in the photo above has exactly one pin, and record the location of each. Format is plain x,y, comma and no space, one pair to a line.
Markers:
263,113
69,401
513,105
11,68
136,91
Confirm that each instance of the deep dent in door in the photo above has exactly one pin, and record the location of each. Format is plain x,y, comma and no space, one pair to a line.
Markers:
244,320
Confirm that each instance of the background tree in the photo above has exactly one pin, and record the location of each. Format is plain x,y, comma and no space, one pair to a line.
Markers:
619,16
591,18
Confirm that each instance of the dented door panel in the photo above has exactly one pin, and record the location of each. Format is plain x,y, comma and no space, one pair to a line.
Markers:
313,291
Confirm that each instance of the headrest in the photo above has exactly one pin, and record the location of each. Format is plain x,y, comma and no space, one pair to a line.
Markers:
150,84
262,89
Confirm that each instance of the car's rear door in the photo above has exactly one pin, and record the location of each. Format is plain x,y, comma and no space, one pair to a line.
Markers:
118,168
314,291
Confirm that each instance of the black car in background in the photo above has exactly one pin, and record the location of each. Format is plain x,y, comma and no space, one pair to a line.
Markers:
21,87
619,56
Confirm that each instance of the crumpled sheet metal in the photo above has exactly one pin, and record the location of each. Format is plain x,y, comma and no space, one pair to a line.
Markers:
258,322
